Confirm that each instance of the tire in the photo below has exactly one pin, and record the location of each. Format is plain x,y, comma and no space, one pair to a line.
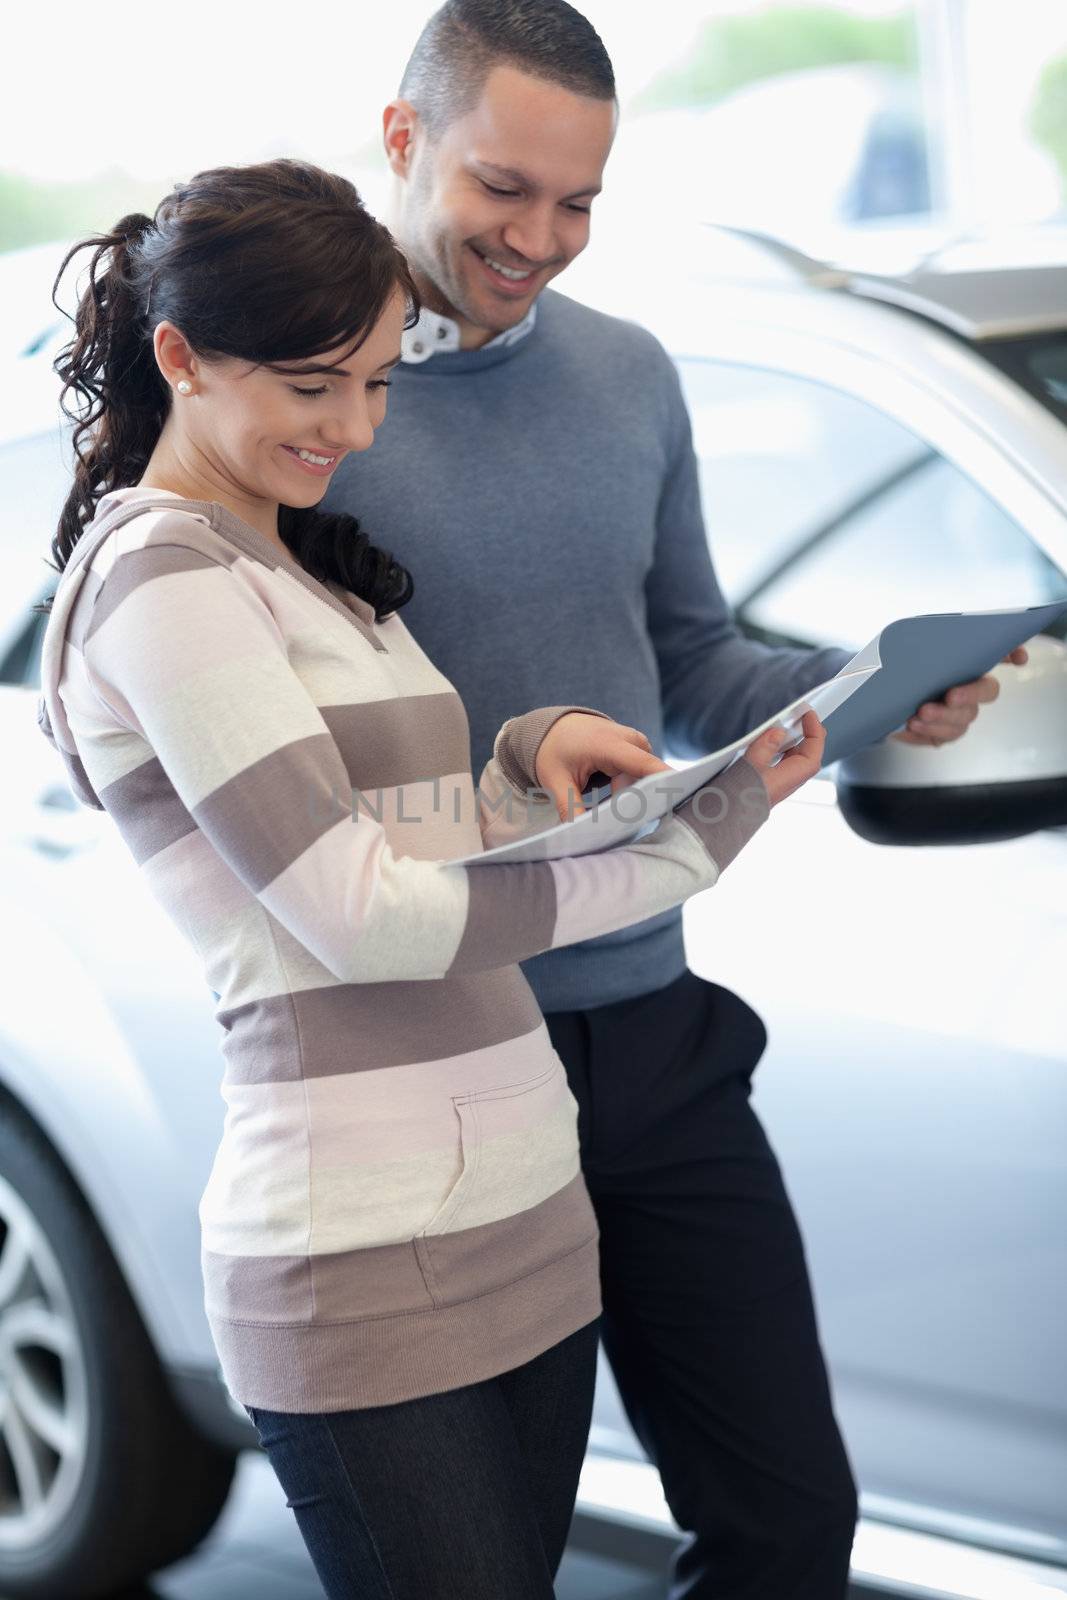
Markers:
102,1478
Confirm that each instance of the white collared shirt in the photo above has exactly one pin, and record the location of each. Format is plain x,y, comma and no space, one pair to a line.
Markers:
433,334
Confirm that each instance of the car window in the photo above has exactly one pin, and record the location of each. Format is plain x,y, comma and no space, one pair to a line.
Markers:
827,519
1039,364
21,664
34,478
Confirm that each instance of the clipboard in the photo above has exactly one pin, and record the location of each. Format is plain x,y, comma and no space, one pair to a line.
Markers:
921,658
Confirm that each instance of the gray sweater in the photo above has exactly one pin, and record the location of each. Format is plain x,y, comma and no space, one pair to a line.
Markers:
545,497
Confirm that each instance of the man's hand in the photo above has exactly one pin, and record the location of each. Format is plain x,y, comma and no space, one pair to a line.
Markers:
940,721
578,745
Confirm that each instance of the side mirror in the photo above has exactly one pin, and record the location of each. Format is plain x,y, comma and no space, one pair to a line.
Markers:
1006,777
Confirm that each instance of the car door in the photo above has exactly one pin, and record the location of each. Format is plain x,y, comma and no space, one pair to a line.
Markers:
915,1082
107,1030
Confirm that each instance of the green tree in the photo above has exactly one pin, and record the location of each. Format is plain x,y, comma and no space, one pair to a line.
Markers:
32,212
1048,113
731,51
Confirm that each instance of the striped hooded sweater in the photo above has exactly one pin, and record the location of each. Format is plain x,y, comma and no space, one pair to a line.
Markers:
396,1206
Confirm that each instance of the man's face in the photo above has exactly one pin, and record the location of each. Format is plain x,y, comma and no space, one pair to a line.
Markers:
494,208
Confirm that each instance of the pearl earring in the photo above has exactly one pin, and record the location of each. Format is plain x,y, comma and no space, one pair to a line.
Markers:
184,387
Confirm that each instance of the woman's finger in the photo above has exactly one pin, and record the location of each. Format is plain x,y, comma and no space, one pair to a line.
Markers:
565,789
629,759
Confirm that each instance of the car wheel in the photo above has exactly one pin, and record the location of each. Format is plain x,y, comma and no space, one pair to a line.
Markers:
102,1478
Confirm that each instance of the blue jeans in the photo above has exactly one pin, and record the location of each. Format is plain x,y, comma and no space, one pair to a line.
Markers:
468,1493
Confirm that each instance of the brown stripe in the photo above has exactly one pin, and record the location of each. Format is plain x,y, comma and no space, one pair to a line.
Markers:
725,813
135,567
358,1027
473,1261
259,837
518,747
149,813
390,742
377,1361
511,915
382,1281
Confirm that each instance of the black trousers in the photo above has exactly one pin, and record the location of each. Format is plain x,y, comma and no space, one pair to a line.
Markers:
708,1318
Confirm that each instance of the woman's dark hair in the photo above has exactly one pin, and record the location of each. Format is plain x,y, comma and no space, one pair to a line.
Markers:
268,263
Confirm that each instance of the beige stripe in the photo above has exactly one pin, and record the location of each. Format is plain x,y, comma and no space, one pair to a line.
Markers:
287,571
347,1028
330,656
412,1276
506,815
596,894
518,1148
114,752
511,915
437,1191
383,1360
369,916
250,955
392,1151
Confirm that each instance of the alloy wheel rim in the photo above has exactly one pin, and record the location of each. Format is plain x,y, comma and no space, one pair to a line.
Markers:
44,1410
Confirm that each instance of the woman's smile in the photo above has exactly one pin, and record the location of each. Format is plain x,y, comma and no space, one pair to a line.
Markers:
313,461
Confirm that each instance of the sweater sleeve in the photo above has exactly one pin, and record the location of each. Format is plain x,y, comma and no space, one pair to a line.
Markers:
715,681
189,656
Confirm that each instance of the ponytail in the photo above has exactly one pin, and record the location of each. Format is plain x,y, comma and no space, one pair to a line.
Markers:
109,372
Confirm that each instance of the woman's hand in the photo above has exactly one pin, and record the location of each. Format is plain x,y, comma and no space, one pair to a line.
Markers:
796,766
577,746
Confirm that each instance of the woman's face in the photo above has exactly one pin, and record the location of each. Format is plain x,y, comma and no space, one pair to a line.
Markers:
277,434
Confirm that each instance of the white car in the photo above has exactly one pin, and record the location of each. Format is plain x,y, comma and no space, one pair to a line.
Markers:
870,448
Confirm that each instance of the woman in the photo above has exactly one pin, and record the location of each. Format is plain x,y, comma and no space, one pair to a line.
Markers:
399,1253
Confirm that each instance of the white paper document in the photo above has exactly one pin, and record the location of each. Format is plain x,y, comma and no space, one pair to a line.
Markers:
638,808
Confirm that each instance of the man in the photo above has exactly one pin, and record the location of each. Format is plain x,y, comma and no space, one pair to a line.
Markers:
538,478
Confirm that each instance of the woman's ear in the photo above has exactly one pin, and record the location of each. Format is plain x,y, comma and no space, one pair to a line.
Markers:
175,358
399,123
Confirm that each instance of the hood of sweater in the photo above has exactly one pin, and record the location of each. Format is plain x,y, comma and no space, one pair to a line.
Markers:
51,712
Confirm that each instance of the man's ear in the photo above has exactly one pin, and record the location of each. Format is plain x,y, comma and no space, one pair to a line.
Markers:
400,121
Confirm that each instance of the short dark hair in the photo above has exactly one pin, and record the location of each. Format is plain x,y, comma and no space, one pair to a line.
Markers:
466,39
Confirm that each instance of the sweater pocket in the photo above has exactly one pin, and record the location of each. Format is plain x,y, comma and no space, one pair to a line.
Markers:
519,1181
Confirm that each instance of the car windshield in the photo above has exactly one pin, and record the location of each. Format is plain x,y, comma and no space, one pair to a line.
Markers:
1038,363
